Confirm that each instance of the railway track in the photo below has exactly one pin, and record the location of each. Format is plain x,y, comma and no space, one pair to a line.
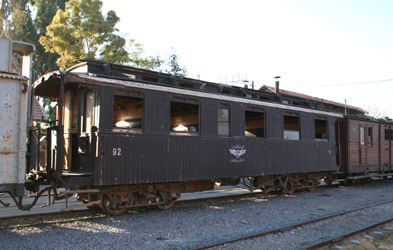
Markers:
341,238
27,220
295,226
74,204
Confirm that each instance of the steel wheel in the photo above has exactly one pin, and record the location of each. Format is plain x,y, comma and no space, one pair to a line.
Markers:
167,199
289,188
110,205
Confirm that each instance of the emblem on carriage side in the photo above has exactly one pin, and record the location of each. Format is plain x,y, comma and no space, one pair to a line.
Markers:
238,151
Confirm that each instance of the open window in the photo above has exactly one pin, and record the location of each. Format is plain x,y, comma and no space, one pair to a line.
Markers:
128,113
184,118
370,136
223,120
254,124
321,129
291,127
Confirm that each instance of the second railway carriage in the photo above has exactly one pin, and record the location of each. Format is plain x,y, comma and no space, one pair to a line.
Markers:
365,148
128,137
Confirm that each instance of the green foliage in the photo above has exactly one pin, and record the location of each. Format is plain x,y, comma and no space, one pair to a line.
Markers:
45,11
137,59
16,23
82,32
50,110
173,66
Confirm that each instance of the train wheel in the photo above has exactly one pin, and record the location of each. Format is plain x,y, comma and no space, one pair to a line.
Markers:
111,206
167,199
311,188
289,188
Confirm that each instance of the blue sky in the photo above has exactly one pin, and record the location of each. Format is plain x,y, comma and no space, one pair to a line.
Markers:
336,50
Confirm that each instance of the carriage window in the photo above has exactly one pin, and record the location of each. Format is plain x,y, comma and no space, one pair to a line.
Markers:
387,132
362,136
370,137
127,112
254,124
321,130
184,118
223,125
89,108
291,127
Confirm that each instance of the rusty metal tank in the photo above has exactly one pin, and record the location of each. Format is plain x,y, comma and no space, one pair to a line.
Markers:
15,63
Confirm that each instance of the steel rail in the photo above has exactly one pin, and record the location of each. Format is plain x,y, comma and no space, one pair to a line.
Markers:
93,215
348,235
288,228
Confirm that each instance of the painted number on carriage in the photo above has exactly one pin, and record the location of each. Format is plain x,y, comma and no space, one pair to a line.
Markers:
116,151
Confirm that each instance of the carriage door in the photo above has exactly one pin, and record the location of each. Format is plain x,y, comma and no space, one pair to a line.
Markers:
363,147
67,119
386,149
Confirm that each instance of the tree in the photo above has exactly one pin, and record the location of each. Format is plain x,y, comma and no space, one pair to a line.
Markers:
82,32
16,23
138,60
173,66
45,11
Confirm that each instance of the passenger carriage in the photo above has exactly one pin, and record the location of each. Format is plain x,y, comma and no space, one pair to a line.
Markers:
139,137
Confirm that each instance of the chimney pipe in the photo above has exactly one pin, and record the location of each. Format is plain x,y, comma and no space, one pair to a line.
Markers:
277,85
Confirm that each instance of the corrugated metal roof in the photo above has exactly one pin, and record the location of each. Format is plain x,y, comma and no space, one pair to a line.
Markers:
307,97
8,75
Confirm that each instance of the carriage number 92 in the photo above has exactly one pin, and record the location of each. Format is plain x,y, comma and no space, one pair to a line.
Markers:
116,151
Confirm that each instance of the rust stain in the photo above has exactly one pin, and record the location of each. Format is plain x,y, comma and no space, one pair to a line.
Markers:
7,137
24,87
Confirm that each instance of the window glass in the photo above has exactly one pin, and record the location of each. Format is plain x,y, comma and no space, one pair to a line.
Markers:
321,131
184,117
387,132
254,124
223,126
127,112
362,136
291,127
370,137
89,108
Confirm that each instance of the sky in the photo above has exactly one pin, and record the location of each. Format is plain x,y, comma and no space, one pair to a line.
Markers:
339,50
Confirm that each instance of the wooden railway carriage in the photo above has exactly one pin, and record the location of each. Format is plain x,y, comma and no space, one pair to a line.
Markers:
365,148
129,137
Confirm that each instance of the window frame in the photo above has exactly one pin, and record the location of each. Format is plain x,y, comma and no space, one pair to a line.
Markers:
321,118
361,135
227,107
129,94
370,138
188,101
296,115
388,134
260,111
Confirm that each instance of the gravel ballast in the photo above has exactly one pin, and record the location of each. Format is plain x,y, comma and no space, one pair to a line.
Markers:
193,225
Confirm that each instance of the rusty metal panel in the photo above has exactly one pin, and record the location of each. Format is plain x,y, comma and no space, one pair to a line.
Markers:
13,118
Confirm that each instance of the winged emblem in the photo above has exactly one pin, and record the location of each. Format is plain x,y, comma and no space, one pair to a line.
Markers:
237,152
